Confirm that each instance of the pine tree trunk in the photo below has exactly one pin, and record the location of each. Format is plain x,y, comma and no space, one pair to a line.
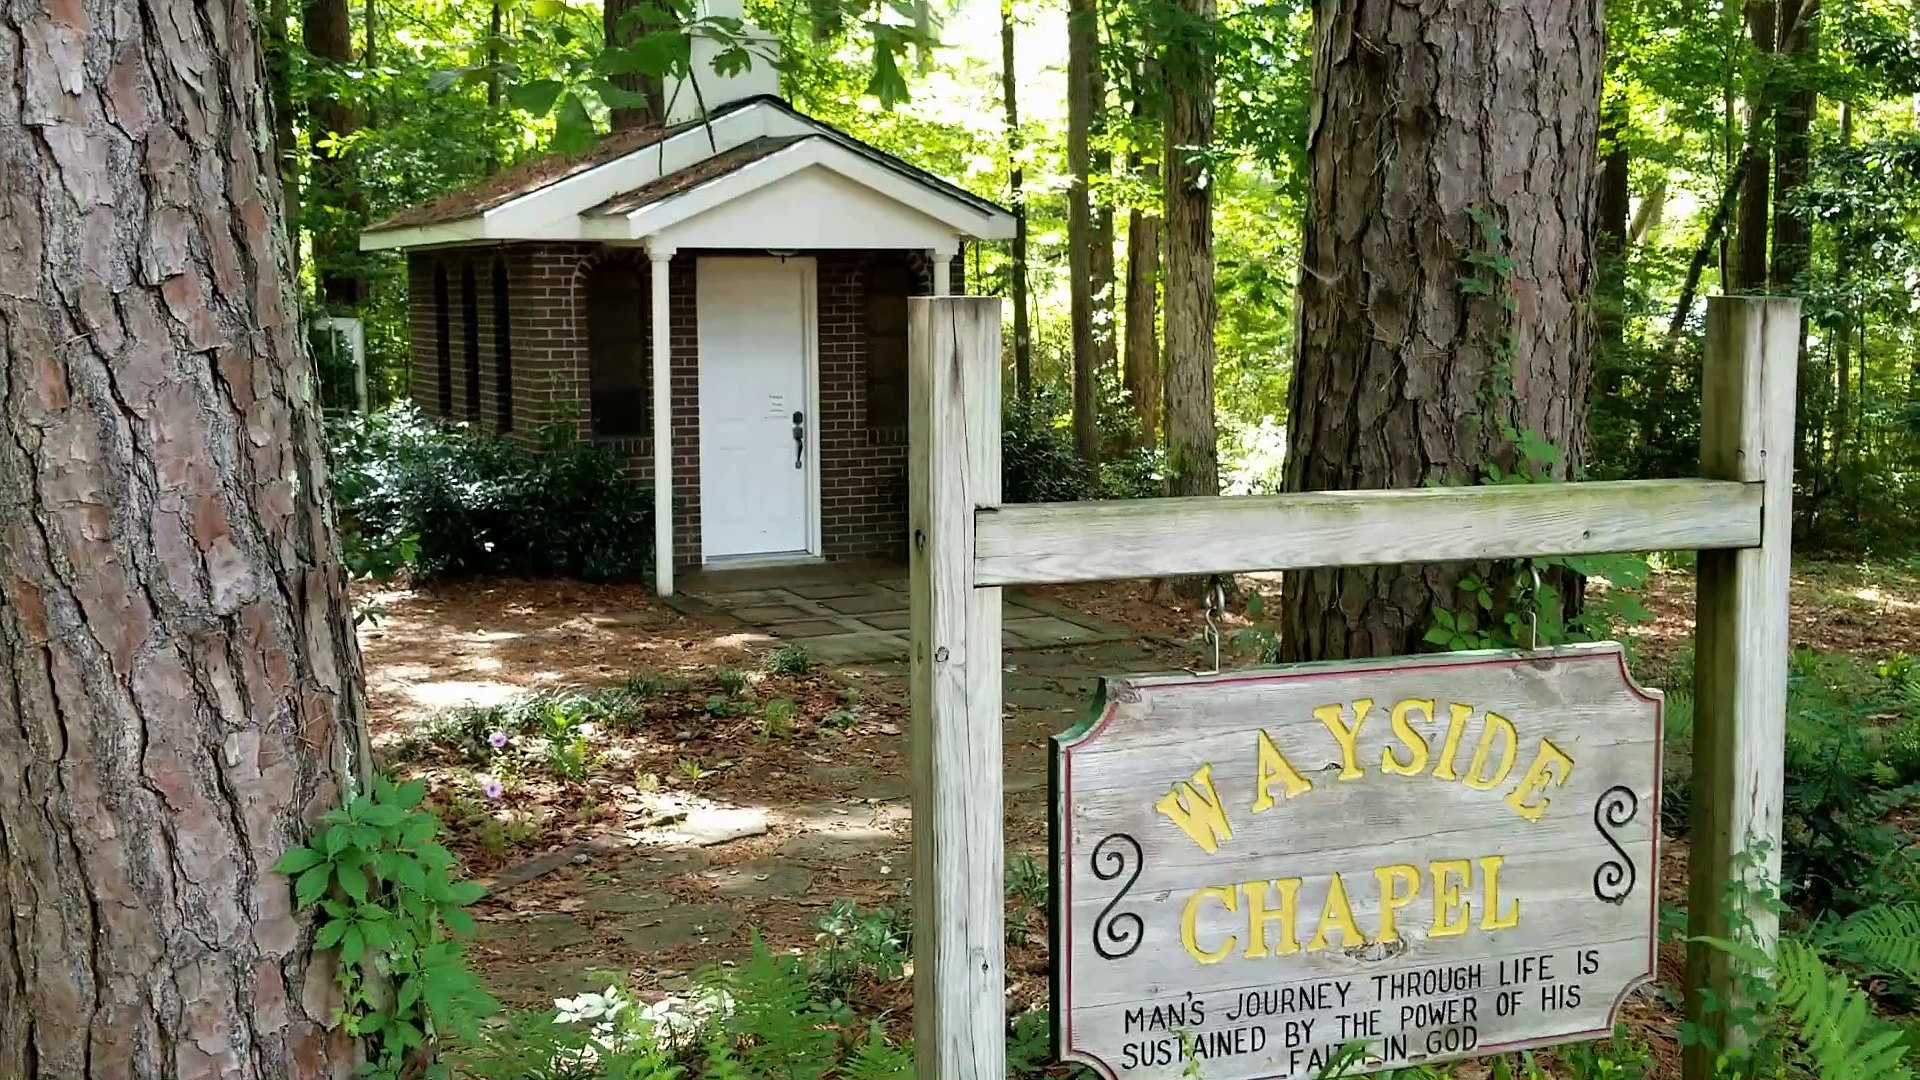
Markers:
1610,251
280,93
178,673
1082,55
1843,331
1193,465
1750,253
623,23
1106,330
1016,182
1399,378
327,31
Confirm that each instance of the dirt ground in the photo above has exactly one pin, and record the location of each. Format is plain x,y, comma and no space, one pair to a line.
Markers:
691,830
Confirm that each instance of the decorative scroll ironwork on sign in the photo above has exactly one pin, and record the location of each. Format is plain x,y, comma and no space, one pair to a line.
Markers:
1614,879
1115,937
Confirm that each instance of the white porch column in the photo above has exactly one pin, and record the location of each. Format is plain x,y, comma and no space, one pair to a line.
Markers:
941,268
661,277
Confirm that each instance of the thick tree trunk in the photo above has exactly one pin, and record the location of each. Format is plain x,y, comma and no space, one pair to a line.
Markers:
178,672
623,24
327,31
1193,463
1106,330
1083,45
1403,377
1750,253
1016,182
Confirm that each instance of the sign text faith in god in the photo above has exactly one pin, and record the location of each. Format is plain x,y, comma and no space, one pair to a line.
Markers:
1435,857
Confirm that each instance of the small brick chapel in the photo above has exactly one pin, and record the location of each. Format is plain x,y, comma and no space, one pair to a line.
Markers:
722,299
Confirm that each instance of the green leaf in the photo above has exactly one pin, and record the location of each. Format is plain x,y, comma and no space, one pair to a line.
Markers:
409,795
353,944
573,129
458,922
466,892
1443,617
384,817
365,837
297,860
311,885
329,935
354,881
418,830
536,97
1437,636
336,840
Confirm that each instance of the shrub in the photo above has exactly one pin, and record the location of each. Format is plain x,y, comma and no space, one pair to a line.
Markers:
447,501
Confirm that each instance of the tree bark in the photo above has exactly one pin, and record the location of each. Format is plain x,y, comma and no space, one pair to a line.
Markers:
494,29
620,30
1193,465
179,681
1610,248
1750,253
1843,332
1792,232
1016,183
333,191
280,93
1106,330
1143,304
1402,376
1083,47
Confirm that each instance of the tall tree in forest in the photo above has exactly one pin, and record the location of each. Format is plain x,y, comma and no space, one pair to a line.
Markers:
1142,355
1016,184
179,681
1106,340
333,202
1187,58
1610,246
1792,232
1749,269
624,22
1083,60
1443,316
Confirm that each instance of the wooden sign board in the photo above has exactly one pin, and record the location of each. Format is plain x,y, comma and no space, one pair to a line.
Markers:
1433,857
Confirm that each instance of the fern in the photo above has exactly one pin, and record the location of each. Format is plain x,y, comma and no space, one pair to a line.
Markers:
877,1059
1880,940
776,1027
1835,1020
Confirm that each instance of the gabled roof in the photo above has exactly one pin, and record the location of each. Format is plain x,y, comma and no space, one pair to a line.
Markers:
636,185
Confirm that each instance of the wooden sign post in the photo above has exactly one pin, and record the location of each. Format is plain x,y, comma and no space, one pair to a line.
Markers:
1416,854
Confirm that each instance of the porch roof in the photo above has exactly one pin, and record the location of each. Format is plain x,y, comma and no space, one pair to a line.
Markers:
754,174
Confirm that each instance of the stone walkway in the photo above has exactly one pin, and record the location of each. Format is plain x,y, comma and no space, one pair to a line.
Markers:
850,614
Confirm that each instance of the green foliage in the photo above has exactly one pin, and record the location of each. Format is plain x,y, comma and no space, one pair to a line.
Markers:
852,944
732,680
447,501
790,659
385,901
776,719
553,715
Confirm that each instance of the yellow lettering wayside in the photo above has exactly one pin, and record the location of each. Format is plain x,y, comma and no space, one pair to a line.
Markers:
1190,923
1337,914
1334,716
1399,884
1195,807
1456,727
1274,766
1416,743
1490,918
1550,766
1259,915
1452,914
1477,776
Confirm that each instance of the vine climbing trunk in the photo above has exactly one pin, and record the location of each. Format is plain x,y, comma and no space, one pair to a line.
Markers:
1447,268
179,683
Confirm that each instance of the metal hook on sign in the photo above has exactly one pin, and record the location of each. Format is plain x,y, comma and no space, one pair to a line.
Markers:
1533,626
1215,602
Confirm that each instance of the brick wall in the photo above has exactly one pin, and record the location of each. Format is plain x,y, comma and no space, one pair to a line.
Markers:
863,490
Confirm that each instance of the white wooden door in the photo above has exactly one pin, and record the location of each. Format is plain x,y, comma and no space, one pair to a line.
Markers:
758,431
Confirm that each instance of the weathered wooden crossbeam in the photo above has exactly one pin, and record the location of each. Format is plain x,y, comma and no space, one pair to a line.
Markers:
1035,543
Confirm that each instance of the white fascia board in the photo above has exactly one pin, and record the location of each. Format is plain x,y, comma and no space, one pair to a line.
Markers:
553,212
453,232
957,214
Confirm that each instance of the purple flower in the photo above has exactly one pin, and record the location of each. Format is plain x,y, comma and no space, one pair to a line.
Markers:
497,740
493,789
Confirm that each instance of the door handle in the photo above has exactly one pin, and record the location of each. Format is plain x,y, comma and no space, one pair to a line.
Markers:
799,438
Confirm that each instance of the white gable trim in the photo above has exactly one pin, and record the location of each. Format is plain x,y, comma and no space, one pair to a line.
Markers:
957,214
812,209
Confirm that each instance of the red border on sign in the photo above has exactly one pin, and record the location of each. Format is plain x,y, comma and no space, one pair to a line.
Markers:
1616,654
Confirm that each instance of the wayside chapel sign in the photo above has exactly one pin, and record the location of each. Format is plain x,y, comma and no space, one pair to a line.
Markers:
1432,857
